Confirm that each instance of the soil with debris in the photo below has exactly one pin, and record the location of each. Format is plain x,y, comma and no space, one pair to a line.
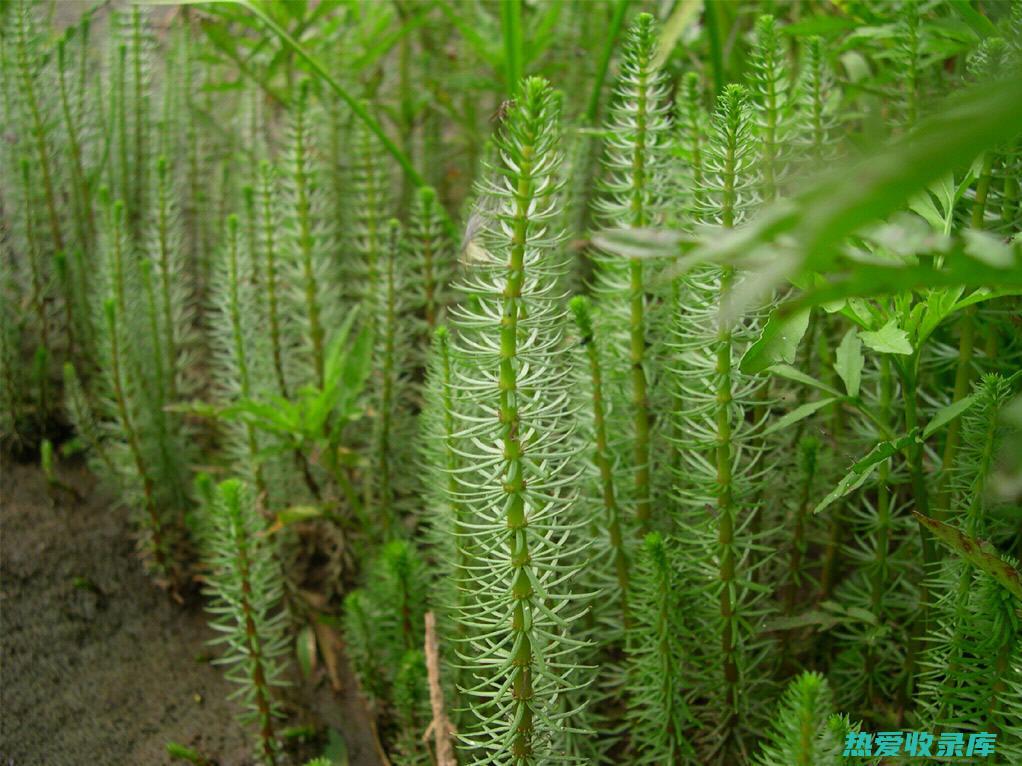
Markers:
98,666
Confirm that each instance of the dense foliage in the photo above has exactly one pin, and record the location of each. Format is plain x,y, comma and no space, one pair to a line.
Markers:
669,366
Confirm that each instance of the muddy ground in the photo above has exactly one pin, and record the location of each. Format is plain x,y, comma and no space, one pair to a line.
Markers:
98,667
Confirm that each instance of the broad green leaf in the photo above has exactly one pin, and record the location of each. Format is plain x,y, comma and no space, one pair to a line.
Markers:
851,482
915,318
861,615
923,205
315,411
333,367
336,749
305,651
862,469
792,373
975,20
884,450
946,414
777,343
978,553
855,65
989,249
862,280
799,413
849,362
280,415
889,339
944,189
357,366
297,513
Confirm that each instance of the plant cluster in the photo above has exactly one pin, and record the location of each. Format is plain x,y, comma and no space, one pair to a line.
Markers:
698,449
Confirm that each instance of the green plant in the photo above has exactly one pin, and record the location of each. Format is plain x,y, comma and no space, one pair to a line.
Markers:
314,421
806,730
383,626
245,583
635,180
769,442
720,472
657,662
518,621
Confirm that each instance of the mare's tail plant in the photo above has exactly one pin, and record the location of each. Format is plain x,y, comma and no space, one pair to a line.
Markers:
245,583
384,630
973,676
393,430
514,416
657,662
635,181
806,731
429,248
306,252
614,530
720,472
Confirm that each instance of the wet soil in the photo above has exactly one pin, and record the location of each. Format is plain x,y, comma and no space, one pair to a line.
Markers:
98,666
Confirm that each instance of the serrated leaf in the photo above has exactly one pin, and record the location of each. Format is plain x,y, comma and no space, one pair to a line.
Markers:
978,553
946,414
777,343
939,305
799,413
849,362
889,339
862,469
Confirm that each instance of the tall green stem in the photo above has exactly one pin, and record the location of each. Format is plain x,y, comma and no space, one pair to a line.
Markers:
514,54
117,376
613,31
513,478
602,454
303,218
712,19
38,126
908,372
963,374
253,641
238,338
84,216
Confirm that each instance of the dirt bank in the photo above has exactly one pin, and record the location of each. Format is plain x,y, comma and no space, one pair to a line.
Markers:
98,667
